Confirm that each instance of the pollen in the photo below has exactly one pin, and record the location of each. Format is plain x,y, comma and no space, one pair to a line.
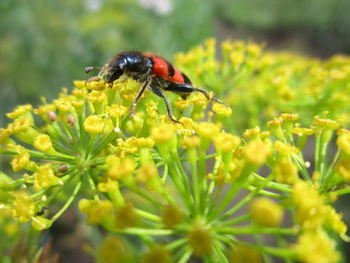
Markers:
207,130
222,109
119,167
94,124
343,169
343,142
262,206
163,133
20,125
190,142
316,247
23,207
45,177
256,152
97,97
171,216
147,172
200,240
43,143
116,110
285,171
126,216
20,161
226,141
20,111
96,211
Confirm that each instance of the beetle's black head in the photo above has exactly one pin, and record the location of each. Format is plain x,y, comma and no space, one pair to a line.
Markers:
130,63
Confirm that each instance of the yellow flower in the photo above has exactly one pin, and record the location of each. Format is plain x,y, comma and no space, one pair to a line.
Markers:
316,246
113,250
147,172
285,148
285,171
94,124
289,116
163,133
182,104
326,123
190,142
23,207
63,104
20,111
142,142
222,109
256,152
303,131
96,85
119,167
43,143
252,133
171,216
200,240
261,207
20,125
45,177
226,141
343,169
126,216
157,254
107,184
20,161
96,96
243,253
343,142
4,135
44,109
116,110
206,130
96,211
80,84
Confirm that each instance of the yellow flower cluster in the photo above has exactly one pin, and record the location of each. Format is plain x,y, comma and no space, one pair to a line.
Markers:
198,185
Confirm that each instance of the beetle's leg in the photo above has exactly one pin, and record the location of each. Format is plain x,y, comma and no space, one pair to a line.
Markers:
95,78
138,96
159,92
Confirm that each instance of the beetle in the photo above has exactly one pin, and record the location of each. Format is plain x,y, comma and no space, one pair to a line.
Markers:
156,73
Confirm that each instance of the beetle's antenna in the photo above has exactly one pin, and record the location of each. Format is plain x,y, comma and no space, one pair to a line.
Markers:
89,69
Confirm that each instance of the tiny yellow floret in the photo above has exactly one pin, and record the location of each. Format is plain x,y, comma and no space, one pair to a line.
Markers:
266,212
94,124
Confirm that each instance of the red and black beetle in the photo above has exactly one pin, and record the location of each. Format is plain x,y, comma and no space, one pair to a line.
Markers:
155,72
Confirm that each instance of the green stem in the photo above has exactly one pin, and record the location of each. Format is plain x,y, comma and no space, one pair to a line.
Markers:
148,215
237,220
248,230
69,202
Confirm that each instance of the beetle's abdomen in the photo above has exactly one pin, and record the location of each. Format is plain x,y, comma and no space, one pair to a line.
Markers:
166,70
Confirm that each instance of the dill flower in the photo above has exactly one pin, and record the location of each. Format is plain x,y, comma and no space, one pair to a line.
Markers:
256,152
20,161
20,111
285,171
113,250
43,143
45,177
171,216
157,254
316,247
200,240
262,206
126,216
94,124
343,142
96,211
119,168
23,207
